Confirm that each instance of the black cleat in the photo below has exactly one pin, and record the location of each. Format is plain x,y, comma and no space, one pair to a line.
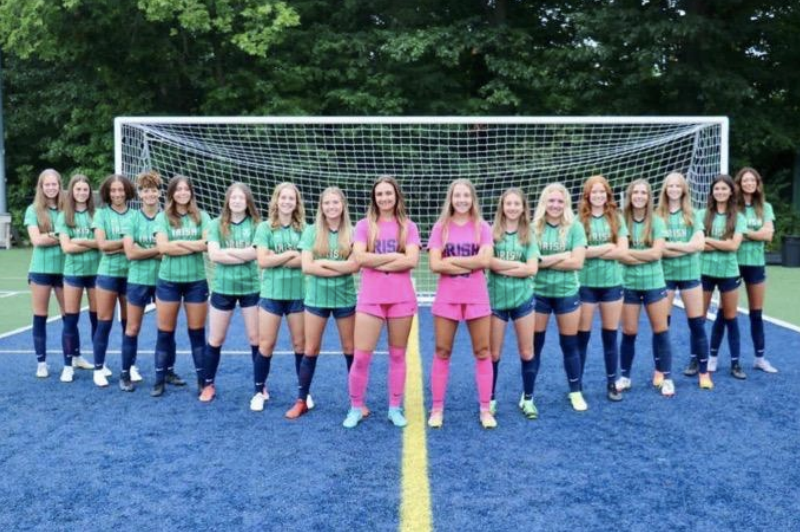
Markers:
738,372
174,379
126,385
692,369
612,393
158,390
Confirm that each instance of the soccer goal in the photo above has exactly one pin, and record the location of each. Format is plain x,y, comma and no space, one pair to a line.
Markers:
424,153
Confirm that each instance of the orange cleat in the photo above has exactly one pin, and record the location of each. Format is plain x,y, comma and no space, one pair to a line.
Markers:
297,410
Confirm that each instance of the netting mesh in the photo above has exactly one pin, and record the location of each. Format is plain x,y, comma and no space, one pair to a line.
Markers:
425,157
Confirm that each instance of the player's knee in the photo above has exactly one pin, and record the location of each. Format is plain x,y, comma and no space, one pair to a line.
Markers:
443,351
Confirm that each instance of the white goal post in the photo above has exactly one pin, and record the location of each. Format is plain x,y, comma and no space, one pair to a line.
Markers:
424,153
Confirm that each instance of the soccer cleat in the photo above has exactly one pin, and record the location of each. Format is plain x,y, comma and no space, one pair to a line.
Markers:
257,402
705,382
266,394
668,388
67,374
487,420
623,383
208,393
578,402
310,403
158,389
126,385
436,419
353,418
99,378
300,407
692,369
528,408
135,375
658,379
107,372
738,372
174,379
79,362
612,394
396,417
764,365
493,406
712,364
42,371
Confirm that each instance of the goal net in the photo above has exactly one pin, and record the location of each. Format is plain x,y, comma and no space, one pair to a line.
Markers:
425,154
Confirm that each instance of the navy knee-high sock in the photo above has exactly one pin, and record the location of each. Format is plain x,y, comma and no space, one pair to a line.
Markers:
253,353
495,368
69,337
529,369
93,322
298,359
100,343
583,346
627,352
699,341
664,348
656,356
717,332
757,332
307,368
130,344
40,337
211,357
538,349
733,338
163,342
172,354
197,339
261,365
610,354
348,358
123,325
572,360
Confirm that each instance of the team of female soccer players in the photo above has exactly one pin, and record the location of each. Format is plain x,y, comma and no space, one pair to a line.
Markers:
555,261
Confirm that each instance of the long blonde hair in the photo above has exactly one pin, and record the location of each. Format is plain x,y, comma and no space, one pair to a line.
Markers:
648,211
540,215
686,199
40,200
345,232
250,210
448,211
400,216
298,214
499,224
610,210
68,205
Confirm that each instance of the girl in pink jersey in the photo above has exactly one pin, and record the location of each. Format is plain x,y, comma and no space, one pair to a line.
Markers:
386,246
460,248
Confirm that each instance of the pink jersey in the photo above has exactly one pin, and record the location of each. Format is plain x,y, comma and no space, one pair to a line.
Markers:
461,242
385,287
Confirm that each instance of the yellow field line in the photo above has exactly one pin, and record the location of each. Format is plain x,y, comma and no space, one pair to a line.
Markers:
415,506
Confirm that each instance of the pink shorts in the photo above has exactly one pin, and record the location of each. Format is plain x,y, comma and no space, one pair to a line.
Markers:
389,310
461,311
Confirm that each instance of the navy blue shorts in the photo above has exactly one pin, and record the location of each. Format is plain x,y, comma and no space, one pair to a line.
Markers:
191,292
725,284
223,302
753,274
682,285
281,307
141,295
113,284
648,297
56,280
338,313
557,305
82,281
600,295
516,313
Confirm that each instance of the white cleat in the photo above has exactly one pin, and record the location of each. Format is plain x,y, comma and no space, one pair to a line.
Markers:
712,364
764,365
622,384
107,372
79,362
257,402
67,374
309,402
42,371
100,378
135,375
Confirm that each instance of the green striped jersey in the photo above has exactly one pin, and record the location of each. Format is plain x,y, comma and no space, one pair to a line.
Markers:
142,231
721,263
280,283
183,268
556,283
234,279
597,272
685,267
327,292
79,264
49,259
112,222
751,252
510,292
648,276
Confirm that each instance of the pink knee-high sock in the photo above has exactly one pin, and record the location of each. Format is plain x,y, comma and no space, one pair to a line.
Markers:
358,377
439,374
483,377
397,375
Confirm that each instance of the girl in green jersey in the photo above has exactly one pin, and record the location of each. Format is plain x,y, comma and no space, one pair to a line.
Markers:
601,276
681,261
230,247
74,228
282,284
46,271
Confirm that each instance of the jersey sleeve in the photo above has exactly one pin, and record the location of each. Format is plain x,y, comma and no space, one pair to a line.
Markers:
262,237
412,234
160,225
769,213
361,234
486,235
741,224
99,220
307,240
659,228
213,231
435,238
700,220
30,217
205,221
623,227
60,226
577,236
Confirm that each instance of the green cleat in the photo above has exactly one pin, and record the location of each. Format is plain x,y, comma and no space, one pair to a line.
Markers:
353,418
529,409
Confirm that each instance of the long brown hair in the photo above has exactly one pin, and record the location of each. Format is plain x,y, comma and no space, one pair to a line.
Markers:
731,208
40,200
648,211
171,208
757,198
448,210
251,210
686,199
499,224
299,213
610,210
400,216
69,200
345,232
